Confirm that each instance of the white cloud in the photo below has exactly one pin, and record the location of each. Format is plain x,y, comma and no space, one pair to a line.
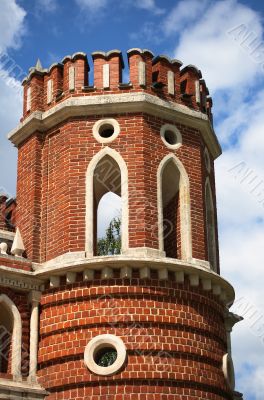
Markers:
148,5
92,5
234,73
11,30
183,15
46,6
207,43
11,24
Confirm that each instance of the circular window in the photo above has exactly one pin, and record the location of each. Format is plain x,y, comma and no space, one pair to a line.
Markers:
106,130
171,136
105,354
228,370
207,160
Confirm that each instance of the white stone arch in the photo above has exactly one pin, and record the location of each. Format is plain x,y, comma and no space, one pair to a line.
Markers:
16,336
210,225
89,241
185,206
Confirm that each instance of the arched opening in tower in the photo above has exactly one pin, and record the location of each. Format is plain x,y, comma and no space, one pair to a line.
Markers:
210,227
171,210
107,207
6,331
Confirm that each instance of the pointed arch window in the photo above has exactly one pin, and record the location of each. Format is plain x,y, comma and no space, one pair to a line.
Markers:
10,337
107,172
174,209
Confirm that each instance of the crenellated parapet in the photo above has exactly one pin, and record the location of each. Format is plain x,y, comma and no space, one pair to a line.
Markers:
159,76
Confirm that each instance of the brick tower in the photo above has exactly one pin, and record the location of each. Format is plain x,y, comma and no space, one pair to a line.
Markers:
151,323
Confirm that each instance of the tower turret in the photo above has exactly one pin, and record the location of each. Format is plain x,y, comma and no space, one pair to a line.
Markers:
150,322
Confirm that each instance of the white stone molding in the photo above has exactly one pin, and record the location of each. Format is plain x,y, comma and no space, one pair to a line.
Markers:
49,91
230,320
70,277
104,122
19,279
54,281
28,106
163,274
216,290
34,299
107,151
144,273
100,342
12,390
142,73
197,92
177,135
228,370
207,160
179,276
6,235
107,273
88,275
3,248
16,337
185,207
207,284
210,226
126,272
108,104
144,252
72,78
18,247
194,279
171,83
106,76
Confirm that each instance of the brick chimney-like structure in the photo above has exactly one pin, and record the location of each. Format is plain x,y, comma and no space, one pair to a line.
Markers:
150,323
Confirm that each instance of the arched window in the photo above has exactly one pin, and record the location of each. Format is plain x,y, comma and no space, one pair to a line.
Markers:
174,209
10,337
6,332
210,226
107,172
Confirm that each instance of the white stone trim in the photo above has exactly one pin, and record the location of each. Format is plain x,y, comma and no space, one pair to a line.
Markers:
185,207
197,92
49,91
142,73
207,160
28,106
106,121
34,299
96,344
16,336
72,78
106,76
228,370
108,104
90,199
175,130
7,235
171,83
210,227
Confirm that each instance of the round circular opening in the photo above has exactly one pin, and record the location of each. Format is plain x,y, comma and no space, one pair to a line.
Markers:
170,137
105,357
106,131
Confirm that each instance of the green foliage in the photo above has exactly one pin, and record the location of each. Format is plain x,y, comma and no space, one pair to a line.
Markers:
111,243
106,358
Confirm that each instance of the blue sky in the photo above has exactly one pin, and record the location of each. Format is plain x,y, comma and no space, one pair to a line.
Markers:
225,40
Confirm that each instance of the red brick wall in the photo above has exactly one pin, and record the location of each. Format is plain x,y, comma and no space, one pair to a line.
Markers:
51,183
174,334
29,194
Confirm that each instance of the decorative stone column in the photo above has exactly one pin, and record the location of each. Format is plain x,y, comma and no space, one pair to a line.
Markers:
34,299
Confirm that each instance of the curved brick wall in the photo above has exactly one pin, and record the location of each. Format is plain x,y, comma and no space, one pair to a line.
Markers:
174,335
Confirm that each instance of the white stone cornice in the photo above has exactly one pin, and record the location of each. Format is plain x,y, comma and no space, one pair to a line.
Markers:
107,104
19,279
